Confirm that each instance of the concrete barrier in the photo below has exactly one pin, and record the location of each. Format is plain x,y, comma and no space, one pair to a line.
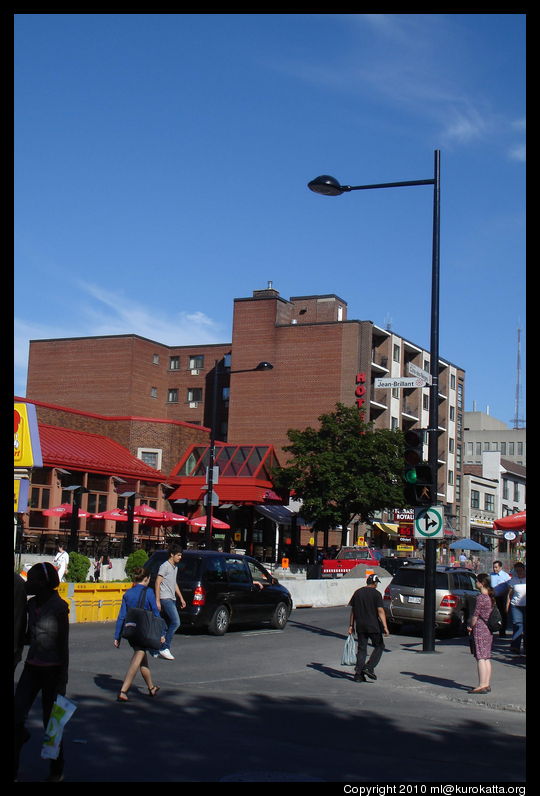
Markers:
325,593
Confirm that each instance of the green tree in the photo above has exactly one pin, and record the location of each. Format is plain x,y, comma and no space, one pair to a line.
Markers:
77,569
137,559
342,469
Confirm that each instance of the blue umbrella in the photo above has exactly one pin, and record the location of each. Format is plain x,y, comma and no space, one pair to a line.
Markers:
467,544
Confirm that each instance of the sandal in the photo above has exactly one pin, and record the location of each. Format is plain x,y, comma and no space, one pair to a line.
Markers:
122,697
153,691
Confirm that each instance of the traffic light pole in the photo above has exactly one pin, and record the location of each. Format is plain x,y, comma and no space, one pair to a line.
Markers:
433,454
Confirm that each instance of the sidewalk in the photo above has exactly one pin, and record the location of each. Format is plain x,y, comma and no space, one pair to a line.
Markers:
450,671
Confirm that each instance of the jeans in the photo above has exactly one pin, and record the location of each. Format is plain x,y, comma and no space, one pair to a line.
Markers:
170,614
378,647
519,626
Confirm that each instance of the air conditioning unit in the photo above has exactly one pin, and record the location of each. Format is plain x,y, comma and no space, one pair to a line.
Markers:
193,404
195,371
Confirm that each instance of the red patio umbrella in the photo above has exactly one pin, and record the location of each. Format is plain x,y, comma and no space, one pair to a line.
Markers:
65,510
168,518
513,522
200,522
144,510
115,514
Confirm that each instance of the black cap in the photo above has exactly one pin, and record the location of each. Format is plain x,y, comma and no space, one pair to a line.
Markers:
373,579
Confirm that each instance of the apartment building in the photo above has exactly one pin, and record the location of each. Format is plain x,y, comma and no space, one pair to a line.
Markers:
484,433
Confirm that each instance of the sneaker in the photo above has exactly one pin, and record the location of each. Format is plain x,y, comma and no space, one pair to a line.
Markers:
359,678
166,654
369,673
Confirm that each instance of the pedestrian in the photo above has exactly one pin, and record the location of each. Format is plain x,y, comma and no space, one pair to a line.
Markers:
139,660
105,565
369,619
516,604
61,561
97,568
167,590
20,618
47,660
499,583
463,558
481,636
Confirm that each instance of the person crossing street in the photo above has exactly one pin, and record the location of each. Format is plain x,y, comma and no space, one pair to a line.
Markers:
369,619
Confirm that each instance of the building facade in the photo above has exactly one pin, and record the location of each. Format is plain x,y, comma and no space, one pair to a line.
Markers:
319,358
484,433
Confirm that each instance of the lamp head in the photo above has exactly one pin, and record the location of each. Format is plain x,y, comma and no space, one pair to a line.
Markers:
264,366
326,185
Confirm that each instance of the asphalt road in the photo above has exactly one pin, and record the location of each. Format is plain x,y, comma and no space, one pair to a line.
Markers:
260,705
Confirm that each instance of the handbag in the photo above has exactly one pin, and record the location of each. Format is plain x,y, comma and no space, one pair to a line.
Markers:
349,651
141,627
494,620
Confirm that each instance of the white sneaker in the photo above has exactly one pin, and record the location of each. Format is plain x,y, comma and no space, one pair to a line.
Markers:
166,654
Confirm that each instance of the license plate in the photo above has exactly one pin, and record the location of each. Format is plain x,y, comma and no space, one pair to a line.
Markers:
414,599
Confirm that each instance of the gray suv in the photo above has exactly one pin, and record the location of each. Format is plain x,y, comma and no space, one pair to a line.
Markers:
455,596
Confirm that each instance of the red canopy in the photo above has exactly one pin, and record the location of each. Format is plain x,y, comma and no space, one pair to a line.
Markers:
512,522
201,523
65,510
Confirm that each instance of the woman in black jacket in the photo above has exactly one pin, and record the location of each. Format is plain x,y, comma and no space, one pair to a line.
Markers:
46,666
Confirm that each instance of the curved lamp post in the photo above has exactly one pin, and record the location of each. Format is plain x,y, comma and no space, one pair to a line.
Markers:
212,451
329,186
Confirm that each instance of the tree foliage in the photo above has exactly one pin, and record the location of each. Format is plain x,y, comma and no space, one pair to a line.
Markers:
344,468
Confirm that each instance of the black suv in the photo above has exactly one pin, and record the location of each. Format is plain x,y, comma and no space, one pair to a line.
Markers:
224,588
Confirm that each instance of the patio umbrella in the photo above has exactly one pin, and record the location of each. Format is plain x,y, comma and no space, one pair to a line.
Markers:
65,510
168,518
144,510
115,514
200,522
513,522
467,544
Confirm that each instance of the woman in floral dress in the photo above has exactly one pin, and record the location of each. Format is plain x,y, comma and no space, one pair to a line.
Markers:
482,638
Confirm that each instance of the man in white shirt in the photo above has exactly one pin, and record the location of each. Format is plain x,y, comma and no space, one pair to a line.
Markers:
166,592
517,605
499,584
61,561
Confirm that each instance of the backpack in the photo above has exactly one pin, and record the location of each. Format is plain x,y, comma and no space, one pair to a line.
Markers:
494,620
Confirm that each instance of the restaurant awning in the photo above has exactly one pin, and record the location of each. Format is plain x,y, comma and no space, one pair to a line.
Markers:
513,522
387,527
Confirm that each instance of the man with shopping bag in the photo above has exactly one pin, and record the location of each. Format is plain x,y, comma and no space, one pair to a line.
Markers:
369,619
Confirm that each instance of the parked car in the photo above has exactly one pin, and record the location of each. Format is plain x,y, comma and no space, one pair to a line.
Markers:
392,563
221,589
346,559
455,596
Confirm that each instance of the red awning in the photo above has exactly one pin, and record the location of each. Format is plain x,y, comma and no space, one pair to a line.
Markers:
228,490
513,522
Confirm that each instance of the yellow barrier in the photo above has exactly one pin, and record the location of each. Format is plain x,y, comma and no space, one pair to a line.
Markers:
93,602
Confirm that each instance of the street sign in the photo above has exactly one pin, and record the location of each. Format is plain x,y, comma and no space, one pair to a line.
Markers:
428,522
401,382
215,499
414,370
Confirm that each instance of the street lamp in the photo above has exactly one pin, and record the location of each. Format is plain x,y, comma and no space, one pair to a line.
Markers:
130,509
78,491
212,451
329,186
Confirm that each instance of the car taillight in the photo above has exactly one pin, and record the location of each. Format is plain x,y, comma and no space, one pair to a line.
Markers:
387,595
199,596
449,601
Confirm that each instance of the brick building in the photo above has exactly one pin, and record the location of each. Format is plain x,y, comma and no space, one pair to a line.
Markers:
319,358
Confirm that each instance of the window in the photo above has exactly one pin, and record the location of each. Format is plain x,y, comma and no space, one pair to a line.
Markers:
257,573
395,423
478,448
470,449
453,382
520,449
426,365
194,394
236,571
155,359
395,392
153,392
505,489
489,502
516,492
196,362
452,413
396,353
174,363
96,503
475,499
510,448
451,477
451,445
150,456
503,448
39,498
172,397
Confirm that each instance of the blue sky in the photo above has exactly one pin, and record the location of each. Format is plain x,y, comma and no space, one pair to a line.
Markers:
162,162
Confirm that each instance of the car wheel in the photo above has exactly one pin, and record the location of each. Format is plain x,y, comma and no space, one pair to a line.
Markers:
219,624
280,616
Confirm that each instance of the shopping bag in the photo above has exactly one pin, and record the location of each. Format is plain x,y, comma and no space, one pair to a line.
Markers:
62,710
349,652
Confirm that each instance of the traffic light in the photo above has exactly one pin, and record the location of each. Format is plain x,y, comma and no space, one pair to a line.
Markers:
418,476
